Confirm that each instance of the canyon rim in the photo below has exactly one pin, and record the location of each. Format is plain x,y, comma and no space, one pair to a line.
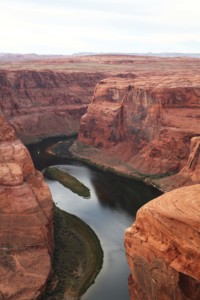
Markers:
143,121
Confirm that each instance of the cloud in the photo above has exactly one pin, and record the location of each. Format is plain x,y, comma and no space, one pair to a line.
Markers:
107,25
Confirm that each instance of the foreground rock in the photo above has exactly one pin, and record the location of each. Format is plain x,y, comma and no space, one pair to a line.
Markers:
146,127
163,247
26,235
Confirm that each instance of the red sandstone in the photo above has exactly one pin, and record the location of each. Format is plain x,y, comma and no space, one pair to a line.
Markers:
163,249
47,97
143,126
45,103
148,127
26,235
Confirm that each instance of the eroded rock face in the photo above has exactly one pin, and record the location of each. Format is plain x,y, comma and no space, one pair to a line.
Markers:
45,103
142,126
163,247
26,223
190,173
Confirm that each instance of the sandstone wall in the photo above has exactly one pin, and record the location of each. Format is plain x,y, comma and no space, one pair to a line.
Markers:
163,247
143,126
45,103
149,127
26,223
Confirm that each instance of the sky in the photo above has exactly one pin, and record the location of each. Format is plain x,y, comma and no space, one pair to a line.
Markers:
108,26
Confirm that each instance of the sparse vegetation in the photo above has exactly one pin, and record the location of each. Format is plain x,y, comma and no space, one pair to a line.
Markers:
85,153
61,149
68,181
78,258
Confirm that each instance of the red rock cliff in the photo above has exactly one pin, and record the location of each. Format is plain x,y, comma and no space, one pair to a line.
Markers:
143,126
163,247
45,103
149,127
26,224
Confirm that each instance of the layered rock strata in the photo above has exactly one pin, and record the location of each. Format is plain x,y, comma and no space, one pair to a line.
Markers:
163,247
190,173
40,103
144,127
26,223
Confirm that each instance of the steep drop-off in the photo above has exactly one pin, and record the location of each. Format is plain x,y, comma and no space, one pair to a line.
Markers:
26,225
47,97
163,247
144,127
149,127
40,104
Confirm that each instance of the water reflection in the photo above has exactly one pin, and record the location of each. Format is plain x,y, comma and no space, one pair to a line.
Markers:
110,210
122,193
108,223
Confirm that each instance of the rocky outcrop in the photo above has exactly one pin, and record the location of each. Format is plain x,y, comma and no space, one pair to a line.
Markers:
149,127
40,103
26,235
163,247
143,126
190,173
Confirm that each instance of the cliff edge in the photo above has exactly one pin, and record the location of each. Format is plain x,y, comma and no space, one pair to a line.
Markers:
26,224
44,103
146,127
163,247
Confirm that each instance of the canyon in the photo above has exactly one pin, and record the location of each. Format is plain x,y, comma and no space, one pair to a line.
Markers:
45,103
47,97
26,238
142,121
146,127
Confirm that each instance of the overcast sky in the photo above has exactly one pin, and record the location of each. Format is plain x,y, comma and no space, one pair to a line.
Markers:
71,26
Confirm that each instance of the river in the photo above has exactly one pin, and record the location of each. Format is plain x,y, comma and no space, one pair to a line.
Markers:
109,211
